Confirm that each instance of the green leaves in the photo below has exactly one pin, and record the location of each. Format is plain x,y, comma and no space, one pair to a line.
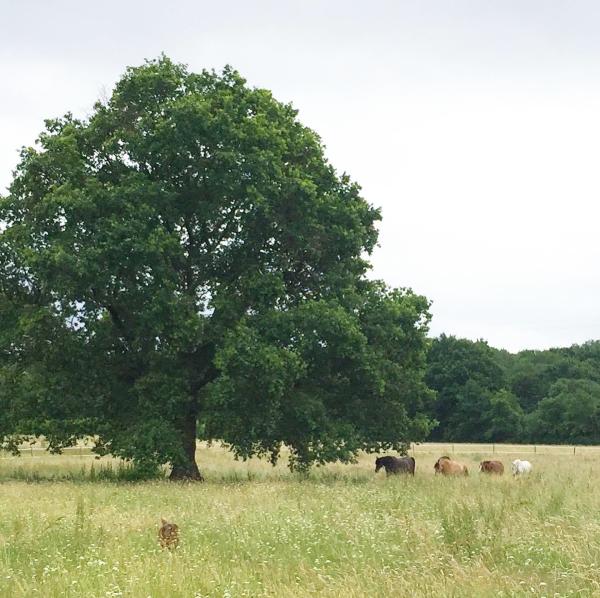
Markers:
188,252
464,374
569,414
329,379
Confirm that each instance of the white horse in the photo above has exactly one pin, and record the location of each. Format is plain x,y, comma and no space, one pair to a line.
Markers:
520,467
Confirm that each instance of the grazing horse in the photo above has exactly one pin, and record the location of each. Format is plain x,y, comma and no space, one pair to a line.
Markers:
520,467
491,467
447,466
394,465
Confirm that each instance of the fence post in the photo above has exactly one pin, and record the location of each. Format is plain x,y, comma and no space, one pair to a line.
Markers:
534,448
573,450
493,448
452,449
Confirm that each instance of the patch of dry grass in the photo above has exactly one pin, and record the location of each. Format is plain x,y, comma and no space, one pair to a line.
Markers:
254,530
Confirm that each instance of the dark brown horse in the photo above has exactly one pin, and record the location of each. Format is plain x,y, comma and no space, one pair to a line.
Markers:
393,465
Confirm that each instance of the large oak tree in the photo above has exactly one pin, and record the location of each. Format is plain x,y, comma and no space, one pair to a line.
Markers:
187,254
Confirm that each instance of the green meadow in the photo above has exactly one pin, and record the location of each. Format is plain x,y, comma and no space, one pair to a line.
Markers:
74,526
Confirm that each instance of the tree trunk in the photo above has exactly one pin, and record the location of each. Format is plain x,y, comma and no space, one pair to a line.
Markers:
188,469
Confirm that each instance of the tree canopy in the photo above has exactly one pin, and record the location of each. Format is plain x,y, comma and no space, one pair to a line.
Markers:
485,394
187,254
464,374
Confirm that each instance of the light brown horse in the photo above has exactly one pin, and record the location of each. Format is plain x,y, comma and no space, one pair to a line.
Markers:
447,466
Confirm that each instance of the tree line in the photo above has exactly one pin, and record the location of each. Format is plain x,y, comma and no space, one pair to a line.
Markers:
490,395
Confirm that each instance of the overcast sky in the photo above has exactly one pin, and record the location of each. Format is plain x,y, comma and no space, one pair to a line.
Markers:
475,126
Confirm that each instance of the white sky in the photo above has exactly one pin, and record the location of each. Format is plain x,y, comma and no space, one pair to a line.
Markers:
474,125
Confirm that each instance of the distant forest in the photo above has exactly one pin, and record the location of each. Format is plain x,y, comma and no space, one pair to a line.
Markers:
490,395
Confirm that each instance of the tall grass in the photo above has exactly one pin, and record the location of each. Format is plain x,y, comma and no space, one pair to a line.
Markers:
254,530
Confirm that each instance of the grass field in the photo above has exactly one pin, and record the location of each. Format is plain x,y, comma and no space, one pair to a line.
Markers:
254,530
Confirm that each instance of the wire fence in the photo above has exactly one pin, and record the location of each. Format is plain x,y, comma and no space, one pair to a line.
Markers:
40,451
503,449
437,448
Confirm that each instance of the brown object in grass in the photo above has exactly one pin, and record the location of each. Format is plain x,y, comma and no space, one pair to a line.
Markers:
168,534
